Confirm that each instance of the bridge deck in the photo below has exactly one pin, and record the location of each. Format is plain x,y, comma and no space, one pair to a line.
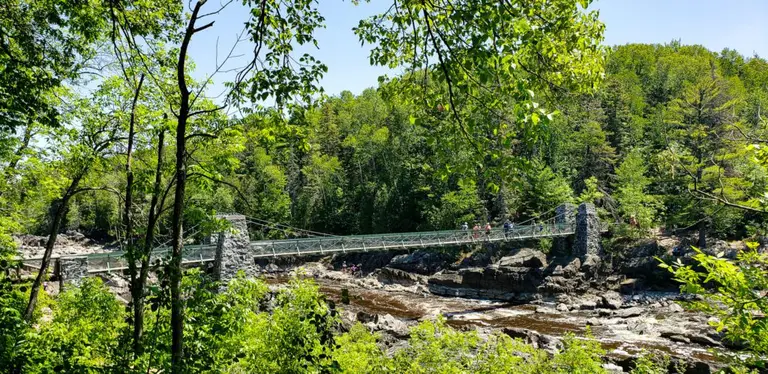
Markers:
192,254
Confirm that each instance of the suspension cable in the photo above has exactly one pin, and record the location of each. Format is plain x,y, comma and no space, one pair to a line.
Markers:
535,217
266,223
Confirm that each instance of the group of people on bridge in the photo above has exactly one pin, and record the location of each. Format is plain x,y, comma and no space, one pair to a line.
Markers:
508,227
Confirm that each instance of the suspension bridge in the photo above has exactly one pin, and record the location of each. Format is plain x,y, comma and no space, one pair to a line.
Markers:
560,223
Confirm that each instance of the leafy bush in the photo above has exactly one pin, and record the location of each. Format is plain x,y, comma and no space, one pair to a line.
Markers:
247,329
435,347
651,364
82,335
734,292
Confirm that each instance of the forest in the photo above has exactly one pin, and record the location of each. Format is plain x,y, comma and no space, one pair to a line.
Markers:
503,112
671,137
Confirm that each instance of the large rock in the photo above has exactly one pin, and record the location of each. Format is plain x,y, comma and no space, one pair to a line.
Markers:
629,312
525,257
572,268
388,275
537,340
500,283
424,262
591,264
559,284
611,300
389,324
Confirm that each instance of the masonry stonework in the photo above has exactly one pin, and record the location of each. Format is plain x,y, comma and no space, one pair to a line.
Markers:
233,252
565,215
72,270
587,241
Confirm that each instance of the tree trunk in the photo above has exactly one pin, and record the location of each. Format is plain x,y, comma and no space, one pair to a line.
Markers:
127,220
58,216
138,293
177,312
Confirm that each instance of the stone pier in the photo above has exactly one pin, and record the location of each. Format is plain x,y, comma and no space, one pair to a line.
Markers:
586,244
565,215
71,270
233,252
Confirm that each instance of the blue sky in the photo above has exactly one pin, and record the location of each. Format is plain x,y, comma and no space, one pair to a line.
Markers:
738,24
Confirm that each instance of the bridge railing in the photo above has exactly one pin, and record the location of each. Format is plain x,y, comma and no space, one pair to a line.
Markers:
191,254
356,243
116,261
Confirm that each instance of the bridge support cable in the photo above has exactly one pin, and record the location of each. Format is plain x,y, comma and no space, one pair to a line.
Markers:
285,228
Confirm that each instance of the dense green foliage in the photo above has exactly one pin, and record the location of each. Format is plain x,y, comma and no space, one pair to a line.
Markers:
248,329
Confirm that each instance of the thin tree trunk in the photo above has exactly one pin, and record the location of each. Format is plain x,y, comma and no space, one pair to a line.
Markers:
127,220
138,293
58,216
177,311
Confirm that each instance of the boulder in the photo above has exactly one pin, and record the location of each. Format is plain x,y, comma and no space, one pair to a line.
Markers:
611,300
388,275
629,312
560,284
572,268
524,258
679,339
675,308
389,324
562,308
588,305
630,285
591,264
424,262
703,340
364,317
537,340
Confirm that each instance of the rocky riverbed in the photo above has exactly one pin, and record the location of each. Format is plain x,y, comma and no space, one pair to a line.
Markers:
626,325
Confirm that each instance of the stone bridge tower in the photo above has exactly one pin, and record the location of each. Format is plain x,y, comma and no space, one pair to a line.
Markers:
233,251
585,244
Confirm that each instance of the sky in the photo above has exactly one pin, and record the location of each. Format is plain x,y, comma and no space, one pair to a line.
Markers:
716,24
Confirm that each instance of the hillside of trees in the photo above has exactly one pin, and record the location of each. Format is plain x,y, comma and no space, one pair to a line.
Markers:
669,138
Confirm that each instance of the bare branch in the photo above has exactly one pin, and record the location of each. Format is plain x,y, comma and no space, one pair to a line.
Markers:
201,28
217,11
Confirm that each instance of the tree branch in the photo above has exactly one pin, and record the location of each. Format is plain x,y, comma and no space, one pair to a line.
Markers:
242,195
201,134
206,111
201,28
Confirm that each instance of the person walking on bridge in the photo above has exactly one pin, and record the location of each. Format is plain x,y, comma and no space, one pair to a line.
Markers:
476,230
487,228
507,228
464,227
